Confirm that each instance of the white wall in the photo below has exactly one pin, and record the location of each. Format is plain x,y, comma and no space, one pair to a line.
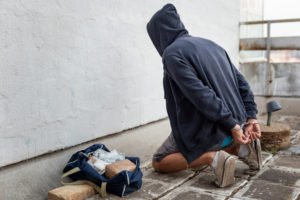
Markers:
72,71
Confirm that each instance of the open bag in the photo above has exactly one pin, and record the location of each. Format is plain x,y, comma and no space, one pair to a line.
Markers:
81,172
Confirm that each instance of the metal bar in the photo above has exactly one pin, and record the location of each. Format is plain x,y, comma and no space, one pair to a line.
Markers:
269,66
270,21
277,43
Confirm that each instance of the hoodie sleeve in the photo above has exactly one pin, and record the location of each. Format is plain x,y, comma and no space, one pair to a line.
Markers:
245,92
204,98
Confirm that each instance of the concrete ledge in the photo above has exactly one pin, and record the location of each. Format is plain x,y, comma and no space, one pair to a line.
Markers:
277,43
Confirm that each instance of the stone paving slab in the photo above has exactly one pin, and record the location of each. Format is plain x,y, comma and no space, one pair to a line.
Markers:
204,182
280,175
296,140
154,185
265,190
234,199
187,193
172,178
276,181
293,150
266,157
292,161
157,184
295,134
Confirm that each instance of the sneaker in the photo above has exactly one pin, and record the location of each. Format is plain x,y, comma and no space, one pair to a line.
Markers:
254,159
224,170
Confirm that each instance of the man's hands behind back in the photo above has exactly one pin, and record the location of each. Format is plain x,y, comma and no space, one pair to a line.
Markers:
252,129
250,133
238,135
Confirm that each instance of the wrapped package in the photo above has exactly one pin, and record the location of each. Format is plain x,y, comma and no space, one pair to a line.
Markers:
113,169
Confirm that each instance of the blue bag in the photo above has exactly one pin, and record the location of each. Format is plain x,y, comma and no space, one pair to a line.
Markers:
81,172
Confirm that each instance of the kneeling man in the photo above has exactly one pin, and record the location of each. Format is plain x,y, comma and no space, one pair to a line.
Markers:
209,103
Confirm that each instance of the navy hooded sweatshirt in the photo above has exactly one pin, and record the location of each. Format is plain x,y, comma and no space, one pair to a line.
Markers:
206,96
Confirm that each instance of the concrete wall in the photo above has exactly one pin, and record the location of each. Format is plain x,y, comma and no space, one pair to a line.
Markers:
73,71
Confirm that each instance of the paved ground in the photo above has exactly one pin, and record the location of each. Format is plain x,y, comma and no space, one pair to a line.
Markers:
278,180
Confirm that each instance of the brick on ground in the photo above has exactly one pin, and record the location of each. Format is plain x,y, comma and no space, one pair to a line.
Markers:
71,192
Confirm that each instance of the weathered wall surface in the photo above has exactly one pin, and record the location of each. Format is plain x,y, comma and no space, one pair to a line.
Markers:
285,78
72,71
284,67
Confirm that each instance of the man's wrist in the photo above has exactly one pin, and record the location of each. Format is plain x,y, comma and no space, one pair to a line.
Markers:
251,118
236,128
252,121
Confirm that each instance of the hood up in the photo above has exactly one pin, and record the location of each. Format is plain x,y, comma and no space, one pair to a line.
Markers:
164,27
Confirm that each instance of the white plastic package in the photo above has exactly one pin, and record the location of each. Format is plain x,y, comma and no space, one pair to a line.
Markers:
97,164
101,158
108,157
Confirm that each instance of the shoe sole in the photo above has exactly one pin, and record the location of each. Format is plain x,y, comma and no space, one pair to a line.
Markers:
228,172
258,153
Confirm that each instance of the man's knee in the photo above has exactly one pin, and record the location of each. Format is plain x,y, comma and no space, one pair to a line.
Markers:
156,165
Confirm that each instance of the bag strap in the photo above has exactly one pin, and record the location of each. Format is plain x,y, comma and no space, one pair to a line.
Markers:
101,190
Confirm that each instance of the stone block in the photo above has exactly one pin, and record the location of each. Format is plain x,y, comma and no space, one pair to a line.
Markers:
276,136
71,192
